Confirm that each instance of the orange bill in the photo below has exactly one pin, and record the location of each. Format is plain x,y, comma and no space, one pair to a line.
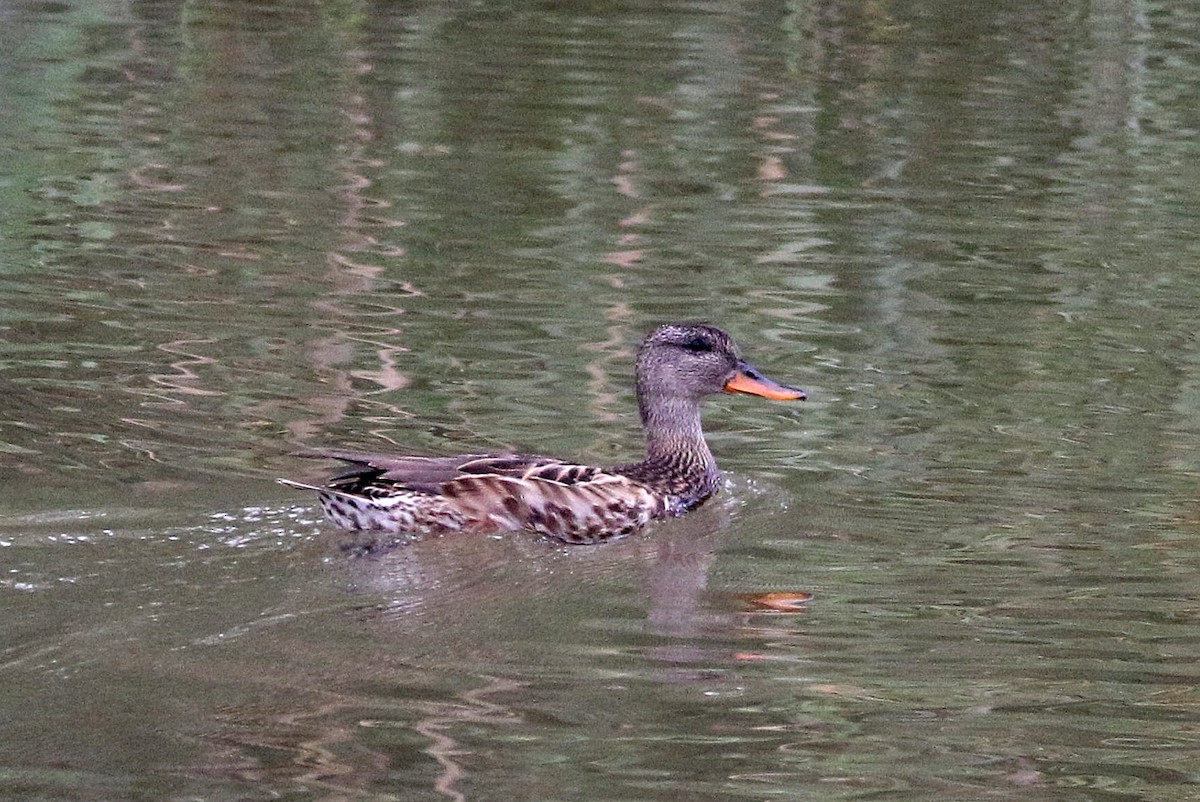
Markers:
785,601
749,381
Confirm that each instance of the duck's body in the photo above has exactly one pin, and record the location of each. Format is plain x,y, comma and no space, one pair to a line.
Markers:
484,494
677,366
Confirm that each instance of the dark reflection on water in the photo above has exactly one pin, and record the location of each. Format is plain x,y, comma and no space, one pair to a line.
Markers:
232,230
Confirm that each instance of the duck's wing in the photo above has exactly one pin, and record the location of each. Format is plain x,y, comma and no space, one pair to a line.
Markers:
409,472
430,474
568,502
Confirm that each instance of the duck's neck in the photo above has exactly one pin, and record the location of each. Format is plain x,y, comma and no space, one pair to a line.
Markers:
675,448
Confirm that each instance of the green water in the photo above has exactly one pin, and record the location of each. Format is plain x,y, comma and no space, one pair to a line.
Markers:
231,231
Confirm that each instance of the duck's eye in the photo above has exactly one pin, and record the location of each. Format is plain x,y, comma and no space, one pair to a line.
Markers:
698,345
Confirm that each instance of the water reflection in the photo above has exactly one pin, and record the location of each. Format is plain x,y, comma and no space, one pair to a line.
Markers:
459,594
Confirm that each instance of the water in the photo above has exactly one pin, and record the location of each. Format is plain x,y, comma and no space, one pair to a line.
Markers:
234,230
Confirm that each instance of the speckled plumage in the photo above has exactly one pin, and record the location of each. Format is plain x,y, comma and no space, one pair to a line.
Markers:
677,366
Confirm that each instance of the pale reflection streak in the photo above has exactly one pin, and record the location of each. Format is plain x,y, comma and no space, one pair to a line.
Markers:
325,769
440,717
628,254
315,762
619,315
183,381
352,276
602,394
388,377
326,749
772,167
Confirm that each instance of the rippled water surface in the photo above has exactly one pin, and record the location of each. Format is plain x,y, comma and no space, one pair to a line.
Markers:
967,568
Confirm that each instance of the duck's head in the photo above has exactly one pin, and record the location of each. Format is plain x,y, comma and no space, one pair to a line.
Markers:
689,361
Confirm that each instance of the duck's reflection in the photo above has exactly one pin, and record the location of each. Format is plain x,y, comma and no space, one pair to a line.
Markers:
442,585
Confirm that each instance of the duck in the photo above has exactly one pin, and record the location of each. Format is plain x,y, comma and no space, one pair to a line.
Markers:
677,366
